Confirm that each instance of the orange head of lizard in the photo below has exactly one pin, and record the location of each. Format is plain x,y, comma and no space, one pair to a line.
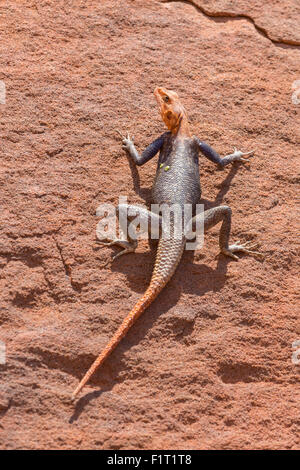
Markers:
171,110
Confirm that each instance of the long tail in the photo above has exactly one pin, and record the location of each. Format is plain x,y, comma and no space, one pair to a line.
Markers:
169,253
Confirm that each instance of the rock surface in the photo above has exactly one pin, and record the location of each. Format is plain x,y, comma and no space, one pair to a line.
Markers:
277,20
209,365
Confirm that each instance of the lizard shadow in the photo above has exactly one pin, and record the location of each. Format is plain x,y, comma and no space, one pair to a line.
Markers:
144,193
83,401
224,188
138,268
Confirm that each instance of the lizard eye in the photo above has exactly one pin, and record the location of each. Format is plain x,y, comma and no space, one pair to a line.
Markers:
166,98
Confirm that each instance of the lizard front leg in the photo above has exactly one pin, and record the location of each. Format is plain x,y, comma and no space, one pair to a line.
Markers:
236,156
147,154
213,156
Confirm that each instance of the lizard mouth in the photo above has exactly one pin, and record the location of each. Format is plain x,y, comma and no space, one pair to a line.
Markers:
158,94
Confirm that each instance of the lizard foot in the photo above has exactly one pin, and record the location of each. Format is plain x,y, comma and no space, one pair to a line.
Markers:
127,246
126,141
242,247
238,155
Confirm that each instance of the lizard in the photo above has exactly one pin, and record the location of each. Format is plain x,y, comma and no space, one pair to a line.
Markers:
176,182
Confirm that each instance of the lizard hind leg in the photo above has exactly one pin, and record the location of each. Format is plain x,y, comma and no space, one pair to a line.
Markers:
130,218
242,248
213,216
128,247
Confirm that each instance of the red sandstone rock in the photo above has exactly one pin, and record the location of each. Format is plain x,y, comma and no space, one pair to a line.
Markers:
275,19
209,364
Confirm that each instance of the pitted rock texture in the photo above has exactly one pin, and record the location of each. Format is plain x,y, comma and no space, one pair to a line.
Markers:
209,364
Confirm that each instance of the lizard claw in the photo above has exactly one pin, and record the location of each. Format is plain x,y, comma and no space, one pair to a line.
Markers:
102,242
127,142
123,252
128,247
128,138
243,248
238,155
120,134
125,138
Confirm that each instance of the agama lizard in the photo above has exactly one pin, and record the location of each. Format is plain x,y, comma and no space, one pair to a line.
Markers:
176,182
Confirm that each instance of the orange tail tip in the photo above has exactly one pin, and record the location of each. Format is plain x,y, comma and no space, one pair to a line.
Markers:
150,294
168,256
